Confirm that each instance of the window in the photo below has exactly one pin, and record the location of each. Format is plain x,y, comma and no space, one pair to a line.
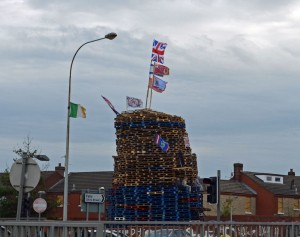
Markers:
248,205
270,178
80,201
60,200
280,206
296,204
277,179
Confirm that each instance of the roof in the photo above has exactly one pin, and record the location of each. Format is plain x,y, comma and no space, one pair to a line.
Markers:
51,178
289,187
235,187
85,180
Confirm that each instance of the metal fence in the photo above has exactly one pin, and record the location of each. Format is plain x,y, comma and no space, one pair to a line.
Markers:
147,229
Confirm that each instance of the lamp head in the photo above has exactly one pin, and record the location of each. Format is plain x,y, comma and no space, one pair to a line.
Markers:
42,157
111,36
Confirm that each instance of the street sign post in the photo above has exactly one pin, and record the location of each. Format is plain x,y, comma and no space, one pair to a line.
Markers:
30,176
39,205
93,201
94,197
24,177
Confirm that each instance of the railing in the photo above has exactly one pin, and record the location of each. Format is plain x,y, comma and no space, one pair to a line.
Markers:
147,229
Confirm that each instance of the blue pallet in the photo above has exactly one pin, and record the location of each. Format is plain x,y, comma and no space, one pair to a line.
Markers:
173,204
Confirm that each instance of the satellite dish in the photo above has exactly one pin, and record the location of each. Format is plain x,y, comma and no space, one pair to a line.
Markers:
31,177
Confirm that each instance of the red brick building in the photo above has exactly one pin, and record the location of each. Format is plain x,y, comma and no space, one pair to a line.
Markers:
277,194
79,183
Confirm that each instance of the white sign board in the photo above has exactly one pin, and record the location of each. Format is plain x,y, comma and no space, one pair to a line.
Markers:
31,177
94,197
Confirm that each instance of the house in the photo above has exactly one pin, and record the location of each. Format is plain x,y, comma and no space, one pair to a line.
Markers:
257,196
79,183
277,194
51,178
236,199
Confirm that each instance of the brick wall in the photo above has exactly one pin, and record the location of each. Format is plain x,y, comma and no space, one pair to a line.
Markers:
239,204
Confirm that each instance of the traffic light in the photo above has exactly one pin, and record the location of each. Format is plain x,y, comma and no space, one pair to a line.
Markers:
212,189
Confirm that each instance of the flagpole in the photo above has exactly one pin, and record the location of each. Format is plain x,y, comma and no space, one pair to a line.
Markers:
150,97
147,94
109,36
148,85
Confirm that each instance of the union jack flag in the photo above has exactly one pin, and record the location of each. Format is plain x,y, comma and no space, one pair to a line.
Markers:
158,50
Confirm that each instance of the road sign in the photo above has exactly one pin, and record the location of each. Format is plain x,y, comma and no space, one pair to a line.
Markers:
94,197
39,205
31,177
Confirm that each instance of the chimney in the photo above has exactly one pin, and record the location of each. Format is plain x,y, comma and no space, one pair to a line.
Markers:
238,167
60,169
291,172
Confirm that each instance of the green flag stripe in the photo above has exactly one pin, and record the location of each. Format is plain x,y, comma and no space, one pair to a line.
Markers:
73,110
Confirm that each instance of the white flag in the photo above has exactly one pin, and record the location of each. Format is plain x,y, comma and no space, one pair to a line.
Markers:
132,102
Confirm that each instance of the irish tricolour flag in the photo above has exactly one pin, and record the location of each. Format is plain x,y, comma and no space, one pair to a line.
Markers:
76,110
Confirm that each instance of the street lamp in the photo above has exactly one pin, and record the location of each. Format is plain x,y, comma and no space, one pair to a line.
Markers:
41,157
40,196
109,36
231,212
231,207
101,206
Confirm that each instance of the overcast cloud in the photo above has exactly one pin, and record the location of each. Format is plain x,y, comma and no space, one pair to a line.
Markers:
234,78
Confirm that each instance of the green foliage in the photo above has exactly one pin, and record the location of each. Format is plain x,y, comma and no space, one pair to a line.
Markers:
8,197
225,212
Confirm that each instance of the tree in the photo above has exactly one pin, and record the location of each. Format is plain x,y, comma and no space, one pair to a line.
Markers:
226,208
8,195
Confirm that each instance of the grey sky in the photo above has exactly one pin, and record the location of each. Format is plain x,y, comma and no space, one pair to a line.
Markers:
234,78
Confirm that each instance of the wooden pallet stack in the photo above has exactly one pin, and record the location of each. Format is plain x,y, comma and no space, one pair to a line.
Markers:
142,165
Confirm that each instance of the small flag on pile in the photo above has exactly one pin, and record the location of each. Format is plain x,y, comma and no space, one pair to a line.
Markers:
161,143
76,110
186,141
132,102
110,105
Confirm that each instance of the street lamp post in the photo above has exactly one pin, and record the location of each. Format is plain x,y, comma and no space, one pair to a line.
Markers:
231,208
40,196
101,206
231,213
109,36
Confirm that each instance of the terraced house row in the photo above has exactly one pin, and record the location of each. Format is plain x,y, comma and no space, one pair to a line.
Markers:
247,196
